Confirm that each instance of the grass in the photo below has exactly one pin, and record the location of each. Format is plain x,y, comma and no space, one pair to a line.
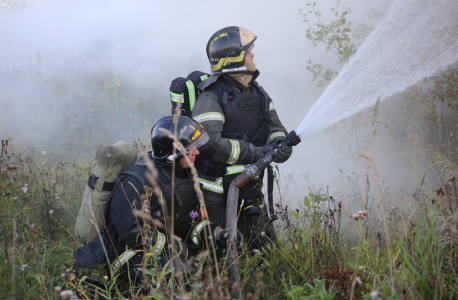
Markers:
322,252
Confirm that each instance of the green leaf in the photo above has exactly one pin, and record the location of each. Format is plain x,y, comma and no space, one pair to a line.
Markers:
423,180
308,35
300,230
306,201
314,45
295,214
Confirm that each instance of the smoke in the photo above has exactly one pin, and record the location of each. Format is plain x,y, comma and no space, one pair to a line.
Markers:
75,74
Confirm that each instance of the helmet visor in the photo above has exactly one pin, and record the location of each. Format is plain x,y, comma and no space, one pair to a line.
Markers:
201,140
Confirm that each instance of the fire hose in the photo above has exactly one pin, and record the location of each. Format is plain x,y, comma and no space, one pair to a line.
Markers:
252,171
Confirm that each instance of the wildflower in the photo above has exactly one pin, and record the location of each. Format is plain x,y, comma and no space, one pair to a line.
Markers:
24,266
51,211
25,188
66,294
374,295
57,197
194,214
105,277
44,153
45,161
74,297
257,252
16,197
356,217
57,289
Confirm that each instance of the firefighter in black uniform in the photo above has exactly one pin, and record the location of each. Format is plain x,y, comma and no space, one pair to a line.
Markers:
186,226
243,125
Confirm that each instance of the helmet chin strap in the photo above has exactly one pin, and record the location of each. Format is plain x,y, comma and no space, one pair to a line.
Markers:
171,157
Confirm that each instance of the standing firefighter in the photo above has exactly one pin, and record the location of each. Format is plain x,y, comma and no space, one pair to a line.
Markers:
243,125
156,215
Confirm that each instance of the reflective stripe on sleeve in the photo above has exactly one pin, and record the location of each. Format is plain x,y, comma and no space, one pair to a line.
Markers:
214,186
177,97
275,135
235,169
191,93
197,230
121,260
271,106
203,77
234,153
210,116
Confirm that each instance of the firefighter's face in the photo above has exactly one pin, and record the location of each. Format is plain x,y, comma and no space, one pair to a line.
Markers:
192,158
249,58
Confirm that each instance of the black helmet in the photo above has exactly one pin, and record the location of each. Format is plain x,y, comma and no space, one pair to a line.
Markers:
190,134
227,47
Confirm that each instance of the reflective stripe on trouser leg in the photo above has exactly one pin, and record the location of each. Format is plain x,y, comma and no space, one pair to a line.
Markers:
117,264
196,232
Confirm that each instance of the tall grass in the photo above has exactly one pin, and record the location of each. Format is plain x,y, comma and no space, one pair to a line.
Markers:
325,250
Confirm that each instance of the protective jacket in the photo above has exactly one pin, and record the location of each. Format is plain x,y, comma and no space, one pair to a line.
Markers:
237,118
127,197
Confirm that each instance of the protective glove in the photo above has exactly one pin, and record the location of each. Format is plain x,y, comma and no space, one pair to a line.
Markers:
204,230
283,152
221,236
260,152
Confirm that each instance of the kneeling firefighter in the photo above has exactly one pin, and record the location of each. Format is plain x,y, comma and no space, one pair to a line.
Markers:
176,213
243,126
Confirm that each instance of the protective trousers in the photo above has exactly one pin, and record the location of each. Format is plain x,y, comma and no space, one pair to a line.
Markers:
251,228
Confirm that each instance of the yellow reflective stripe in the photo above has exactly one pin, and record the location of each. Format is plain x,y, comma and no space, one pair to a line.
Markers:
121,260
214,186
191,93
271,106
218,65
275,135
160,242
235,59
177,97
235,169
203,77
234,153
197,230
225,61
210,116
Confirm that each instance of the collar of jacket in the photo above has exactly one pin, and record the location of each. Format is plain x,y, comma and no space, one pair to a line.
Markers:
236,84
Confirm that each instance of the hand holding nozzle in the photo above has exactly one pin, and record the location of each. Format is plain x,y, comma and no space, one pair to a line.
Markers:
252,171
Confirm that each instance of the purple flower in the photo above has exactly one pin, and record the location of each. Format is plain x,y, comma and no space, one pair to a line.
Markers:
194,214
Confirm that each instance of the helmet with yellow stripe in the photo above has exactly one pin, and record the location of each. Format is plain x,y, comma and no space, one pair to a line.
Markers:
227,48
187,131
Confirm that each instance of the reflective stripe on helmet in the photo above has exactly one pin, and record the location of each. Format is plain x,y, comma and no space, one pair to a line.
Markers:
275,135
235,169
191,93
271,106
225,61
197,230
122,259
177,97
234,153
210,116
214,186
